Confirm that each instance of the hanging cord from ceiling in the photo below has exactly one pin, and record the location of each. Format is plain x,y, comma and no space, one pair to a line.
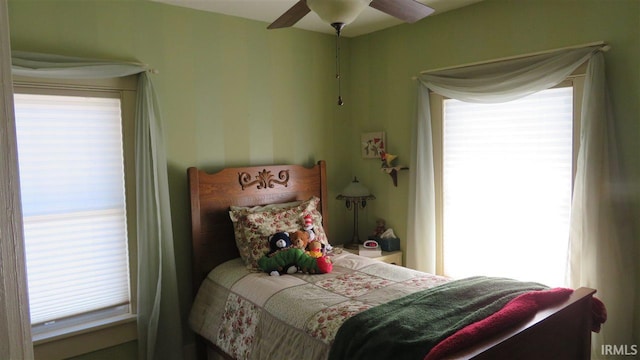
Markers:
338,27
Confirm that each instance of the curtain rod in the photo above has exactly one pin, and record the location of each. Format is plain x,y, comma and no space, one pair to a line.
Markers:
605,47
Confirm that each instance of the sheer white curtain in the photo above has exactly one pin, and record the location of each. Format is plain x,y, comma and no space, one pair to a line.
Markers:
597,253
159,323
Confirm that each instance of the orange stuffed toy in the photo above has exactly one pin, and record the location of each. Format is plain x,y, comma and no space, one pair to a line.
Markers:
314,249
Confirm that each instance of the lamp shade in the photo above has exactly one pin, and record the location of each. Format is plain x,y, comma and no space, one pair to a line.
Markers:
355,189
338,11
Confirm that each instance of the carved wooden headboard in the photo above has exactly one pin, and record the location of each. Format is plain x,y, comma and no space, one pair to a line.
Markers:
212,194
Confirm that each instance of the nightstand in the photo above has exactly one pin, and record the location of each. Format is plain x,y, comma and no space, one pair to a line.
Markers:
390,257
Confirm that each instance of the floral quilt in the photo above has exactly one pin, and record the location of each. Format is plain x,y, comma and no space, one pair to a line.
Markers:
253,315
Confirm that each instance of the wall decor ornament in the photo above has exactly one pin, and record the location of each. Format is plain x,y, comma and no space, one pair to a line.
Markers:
373,144
387,166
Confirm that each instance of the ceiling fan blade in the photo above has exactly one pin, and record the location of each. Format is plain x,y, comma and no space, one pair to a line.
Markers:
291,16
406,10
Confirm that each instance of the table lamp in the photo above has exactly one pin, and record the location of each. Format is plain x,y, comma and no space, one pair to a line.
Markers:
355,196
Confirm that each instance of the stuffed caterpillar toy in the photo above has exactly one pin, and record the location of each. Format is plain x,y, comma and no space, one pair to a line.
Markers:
283,261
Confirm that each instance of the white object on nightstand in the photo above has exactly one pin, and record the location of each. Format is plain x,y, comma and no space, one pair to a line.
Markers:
368,252
389,257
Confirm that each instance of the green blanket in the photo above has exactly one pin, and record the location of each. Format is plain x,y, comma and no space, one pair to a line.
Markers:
407,328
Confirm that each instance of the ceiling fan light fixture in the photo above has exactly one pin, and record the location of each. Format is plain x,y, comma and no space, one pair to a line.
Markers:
338,11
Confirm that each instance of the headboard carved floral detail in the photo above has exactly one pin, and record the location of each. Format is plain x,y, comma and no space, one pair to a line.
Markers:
264,179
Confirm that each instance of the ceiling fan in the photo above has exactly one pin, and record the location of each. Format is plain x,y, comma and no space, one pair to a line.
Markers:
339,13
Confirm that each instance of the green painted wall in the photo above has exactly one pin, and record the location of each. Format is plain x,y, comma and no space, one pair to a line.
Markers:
233,93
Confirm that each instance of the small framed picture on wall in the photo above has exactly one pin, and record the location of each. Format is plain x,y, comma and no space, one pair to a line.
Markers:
372,144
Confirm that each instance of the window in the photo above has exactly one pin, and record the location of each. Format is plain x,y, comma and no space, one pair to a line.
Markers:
504,182
75,165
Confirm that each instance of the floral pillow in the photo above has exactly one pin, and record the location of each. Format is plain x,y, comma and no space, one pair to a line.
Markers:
236,213
256,228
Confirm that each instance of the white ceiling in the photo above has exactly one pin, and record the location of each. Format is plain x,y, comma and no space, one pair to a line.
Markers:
268,10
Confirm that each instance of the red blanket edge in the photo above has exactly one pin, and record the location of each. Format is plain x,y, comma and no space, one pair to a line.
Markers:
517,310
598,314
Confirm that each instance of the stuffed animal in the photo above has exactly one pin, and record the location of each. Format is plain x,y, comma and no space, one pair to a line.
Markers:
299,239
279,241
281,261
314,249
311,265
380,227
308,227
290,260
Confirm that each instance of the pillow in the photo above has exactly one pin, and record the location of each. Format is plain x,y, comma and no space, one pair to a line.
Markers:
239,212
257,227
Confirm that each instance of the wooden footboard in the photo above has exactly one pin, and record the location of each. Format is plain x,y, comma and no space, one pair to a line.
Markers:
561,332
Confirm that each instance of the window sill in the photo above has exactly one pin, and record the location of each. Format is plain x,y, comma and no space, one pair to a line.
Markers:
82,339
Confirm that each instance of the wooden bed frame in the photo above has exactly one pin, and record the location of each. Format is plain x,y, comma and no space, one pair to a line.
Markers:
561,332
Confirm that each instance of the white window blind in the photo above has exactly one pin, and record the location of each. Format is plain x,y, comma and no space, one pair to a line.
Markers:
507,178
72,185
